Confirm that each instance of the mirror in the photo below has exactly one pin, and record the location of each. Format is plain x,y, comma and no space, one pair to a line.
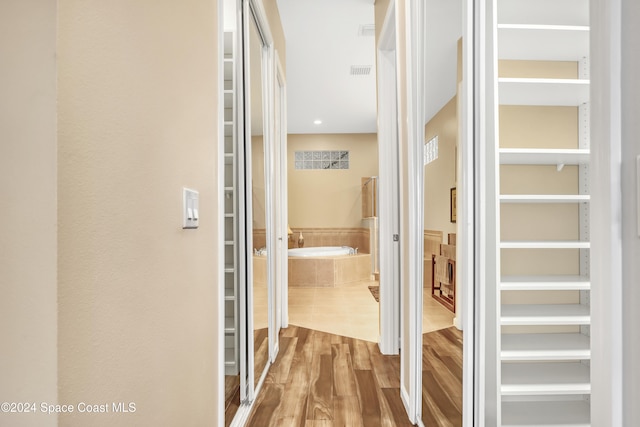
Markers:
255,72
442,342
249,239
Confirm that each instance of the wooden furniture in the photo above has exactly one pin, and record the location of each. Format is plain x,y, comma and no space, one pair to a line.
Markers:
444,291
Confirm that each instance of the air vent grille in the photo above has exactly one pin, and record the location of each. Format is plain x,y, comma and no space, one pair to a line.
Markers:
367,30
360,70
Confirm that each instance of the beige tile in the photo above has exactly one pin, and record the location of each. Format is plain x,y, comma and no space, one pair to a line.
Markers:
303,272
305,298
325,273
296,311
347,310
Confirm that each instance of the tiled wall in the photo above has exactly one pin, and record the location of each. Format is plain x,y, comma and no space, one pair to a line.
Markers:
259,270
314,237
329,271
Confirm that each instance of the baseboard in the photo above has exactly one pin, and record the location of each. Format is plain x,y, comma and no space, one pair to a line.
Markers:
457,323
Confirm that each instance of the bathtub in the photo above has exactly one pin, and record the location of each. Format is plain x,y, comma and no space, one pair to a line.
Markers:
327,266
321,251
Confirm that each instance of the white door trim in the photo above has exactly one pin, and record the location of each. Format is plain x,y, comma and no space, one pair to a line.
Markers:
220,221
388,188
606,206
414,23
466,216
282,285
487,376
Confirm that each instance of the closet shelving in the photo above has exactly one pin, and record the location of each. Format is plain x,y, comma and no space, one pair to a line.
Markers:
231,355
544,347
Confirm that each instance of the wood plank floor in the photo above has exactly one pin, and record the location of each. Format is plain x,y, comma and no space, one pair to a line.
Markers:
442,378
325,380
232,397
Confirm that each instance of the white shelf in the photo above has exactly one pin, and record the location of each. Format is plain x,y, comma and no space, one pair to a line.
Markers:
542,381
530,379
228,98
521,347
228,69
531,156
543,42
552,92
544,198
565,12
545,283
229,327
231,206
228,129
229,357
544,314
546,414
553,244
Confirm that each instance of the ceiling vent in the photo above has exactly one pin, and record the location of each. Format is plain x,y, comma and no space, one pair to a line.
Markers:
367,30
360,70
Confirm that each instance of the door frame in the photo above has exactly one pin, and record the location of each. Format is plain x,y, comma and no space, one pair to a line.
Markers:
388,186
412,18
606,273
282,200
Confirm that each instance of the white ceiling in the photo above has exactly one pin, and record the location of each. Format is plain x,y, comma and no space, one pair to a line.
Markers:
323,42
322,45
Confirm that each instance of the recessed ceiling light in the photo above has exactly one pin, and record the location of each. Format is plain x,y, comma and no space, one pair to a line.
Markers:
317,122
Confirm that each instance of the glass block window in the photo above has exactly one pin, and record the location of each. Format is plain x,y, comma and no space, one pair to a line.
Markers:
431,150
322,160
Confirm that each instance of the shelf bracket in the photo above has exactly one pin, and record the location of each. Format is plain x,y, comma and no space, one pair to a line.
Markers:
559,167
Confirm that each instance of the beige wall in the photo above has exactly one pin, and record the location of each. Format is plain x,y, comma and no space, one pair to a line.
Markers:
381,7
258,189
28,311
275,24
440,175
330,198
137,293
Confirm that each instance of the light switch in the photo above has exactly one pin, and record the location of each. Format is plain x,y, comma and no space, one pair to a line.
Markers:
190,208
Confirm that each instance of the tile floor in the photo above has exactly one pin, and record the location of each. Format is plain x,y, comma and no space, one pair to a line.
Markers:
351,311
435,316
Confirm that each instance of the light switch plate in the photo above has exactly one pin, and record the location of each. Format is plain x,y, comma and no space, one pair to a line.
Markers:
190,208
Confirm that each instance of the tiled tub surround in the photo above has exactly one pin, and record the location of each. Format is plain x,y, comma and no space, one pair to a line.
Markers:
329,271
259,270
314,237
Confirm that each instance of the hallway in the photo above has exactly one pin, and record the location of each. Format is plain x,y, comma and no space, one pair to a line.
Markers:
321,379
